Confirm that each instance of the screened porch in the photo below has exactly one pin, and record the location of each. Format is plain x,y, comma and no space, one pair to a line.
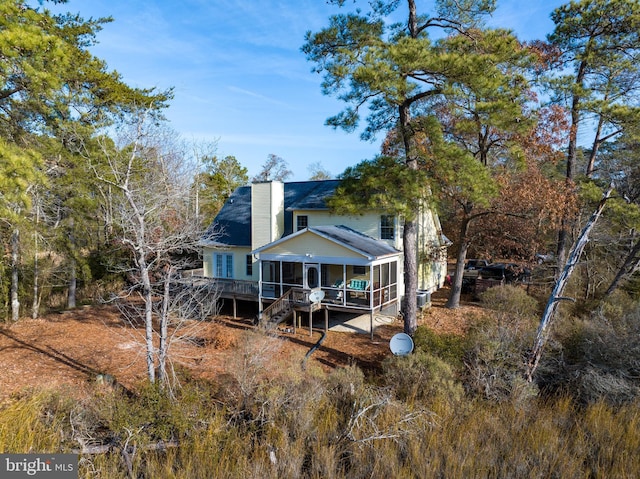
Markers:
365,287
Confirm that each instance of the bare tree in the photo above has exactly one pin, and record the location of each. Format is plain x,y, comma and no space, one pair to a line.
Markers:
146,180
630,265
319,172
274,169
558,290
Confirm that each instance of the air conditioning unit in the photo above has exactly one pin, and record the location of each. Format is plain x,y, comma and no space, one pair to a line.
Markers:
424,299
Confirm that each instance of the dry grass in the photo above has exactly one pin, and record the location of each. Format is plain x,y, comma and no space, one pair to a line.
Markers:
263,416
311,424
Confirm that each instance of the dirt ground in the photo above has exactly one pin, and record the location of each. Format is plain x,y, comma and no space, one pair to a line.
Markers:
70,350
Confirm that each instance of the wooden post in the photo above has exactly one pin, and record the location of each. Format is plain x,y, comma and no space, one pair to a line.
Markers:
326,320
371,324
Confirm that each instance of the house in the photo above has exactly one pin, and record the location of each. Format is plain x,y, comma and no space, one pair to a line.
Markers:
278,244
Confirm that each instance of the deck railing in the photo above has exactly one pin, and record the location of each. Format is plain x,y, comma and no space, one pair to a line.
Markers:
224,286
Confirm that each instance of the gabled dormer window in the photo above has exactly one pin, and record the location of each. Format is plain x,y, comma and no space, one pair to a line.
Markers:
387,227
302,222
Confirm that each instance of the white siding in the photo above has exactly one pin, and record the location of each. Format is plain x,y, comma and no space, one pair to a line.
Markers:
368,224
267,212
311,244
239,262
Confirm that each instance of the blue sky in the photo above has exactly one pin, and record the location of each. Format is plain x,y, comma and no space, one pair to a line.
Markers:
239,76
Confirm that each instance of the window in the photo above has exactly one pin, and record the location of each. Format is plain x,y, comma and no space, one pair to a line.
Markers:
387,227
271,271
359,270
249,271
218,260
229,266
223,265
302,222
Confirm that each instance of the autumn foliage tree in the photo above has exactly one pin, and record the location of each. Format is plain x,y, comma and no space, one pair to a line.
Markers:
521,219
532,198
596,77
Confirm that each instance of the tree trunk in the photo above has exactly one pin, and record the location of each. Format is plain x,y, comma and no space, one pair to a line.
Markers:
73,279
594,148
626,267
163,350
148,316
15,301
572,150
410,307
456,285
558,290
73,283
35,305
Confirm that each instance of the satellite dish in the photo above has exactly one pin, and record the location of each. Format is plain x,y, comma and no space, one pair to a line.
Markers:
316,296
401,344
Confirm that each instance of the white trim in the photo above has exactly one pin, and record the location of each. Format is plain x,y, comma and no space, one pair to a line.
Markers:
257,251
327,259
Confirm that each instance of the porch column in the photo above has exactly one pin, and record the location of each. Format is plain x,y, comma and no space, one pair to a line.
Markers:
260,305
344,285
371,286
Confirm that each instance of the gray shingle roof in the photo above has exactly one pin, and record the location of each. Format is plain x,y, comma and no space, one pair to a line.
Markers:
356,240
232,225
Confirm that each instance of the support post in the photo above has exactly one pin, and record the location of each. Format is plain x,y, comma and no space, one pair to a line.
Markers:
371,323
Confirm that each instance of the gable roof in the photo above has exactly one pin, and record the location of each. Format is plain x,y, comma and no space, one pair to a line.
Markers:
355,240
344,236
232,225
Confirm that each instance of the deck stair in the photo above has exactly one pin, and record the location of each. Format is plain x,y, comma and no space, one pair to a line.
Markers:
278,311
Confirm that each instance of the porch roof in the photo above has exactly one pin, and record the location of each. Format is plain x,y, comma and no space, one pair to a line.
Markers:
343,236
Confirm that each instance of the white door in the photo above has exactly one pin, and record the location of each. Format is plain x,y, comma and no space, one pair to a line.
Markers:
311,276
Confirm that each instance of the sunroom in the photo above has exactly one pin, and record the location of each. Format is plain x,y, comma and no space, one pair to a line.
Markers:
355,272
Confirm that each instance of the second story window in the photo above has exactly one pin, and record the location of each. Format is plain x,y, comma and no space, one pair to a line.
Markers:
387,227
302,222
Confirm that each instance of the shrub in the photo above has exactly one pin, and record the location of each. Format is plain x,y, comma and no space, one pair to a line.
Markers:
420,376
597,358
496,356
509,300
252,362
448,347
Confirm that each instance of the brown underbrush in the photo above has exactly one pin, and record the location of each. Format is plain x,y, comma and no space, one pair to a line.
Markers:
325,426
455,408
